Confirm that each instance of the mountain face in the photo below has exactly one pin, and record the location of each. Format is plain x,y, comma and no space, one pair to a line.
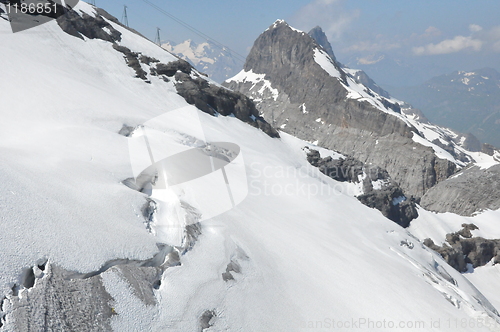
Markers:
219,64
464,101
139,196
299,88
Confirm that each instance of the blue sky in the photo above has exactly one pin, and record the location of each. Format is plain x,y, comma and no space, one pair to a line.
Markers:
424,38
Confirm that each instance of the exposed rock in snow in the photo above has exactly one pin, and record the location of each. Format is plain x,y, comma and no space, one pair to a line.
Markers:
379,191
214,100
464,249
90,26
57,303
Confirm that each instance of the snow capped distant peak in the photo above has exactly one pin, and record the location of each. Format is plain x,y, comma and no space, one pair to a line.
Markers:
207,57
189,50
467,73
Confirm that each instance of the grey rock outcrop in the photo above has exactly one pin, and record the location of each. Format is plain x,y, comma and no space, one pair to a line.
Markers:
388,197
463,249
488,149
132,59
472,190
91,27
343,169
313,106
471,143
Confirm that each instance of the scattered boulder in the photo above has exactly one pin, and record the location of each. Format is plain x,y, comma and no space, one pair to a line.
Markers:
132,59
393,204
171,68
344,169
233,266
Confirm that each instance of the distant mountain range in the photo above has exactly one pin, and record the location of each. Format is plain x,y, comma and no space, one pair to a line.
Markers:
218,63
464,101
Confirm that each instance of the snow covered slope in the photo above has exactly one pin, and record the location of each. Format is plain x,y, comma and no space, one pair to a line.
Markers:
83,251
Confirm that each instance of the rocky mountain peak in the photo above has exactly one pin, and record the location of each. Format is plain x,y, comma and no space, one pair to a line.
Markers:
301,89
320,37
275,46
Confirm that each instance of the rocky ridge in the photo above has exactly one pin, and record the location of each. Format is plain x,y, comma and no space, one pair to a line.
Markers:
314,106
191,84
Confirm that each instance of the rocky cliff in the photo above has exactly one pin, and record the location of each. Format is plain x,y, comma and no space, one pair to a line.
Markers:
470,191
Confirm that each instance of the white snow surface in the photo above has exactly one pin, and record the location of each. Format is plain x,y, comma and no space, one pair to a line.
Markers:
308,252
324,60
485,278
436,225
